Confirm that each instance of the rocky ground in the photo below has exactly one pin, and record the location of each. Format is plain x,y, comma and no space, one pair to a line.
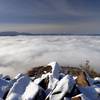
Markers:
51,82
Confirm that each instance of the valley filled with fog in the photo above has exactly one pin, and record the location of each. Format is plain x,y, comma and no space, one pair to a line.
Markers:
20,53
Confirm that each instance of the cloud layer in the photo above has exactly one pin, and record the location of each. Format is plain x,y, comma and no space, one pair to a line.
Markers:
20,53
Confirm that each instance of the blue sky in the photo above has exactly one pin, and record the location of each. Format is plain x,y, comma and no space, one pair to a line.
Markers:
82,16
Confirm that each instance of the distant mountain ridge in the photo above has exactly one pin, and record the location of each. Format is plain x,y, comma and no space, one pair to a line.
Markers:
14,33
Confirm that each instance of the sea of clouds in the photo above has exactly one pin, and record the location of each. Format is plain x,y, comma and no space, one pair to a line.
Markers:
20,53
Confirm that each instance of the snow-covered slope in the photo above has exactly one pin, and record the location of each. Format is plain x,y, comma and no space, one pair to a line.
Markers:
53,85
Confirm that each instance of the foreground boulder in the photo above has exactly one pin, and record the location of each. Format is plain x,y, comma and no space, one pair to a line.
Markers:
63,88
4,87
51,85
25,89
50,79
18,88
33,92
56,69
91,92
54,76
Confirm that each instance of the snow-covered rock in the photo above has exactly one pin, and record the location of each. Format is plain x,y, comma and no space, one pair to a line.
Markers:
32,92
64,86
54,76
7,77
4,87
56,69
14,96
52,85
96,80
38,80
19,76
18,88
29,94
92,92
25,89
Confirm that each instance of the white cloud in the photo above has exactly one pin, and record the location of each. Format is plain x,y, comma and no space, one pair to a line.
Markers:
18,54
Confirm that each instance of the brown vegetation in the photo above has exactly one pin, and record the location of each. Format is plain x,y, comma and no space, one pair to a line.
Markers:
82,79
38,71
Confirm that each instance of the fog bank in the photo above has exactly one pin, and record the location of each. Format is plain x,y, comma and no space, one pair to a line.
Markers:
20,53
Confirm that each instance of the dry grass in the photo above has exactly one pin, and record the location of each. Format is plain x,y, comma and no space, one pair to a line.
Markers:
38,71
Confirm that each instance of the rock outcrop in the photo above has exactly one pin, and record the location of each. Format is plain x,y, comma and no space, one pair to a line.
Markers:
51,84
